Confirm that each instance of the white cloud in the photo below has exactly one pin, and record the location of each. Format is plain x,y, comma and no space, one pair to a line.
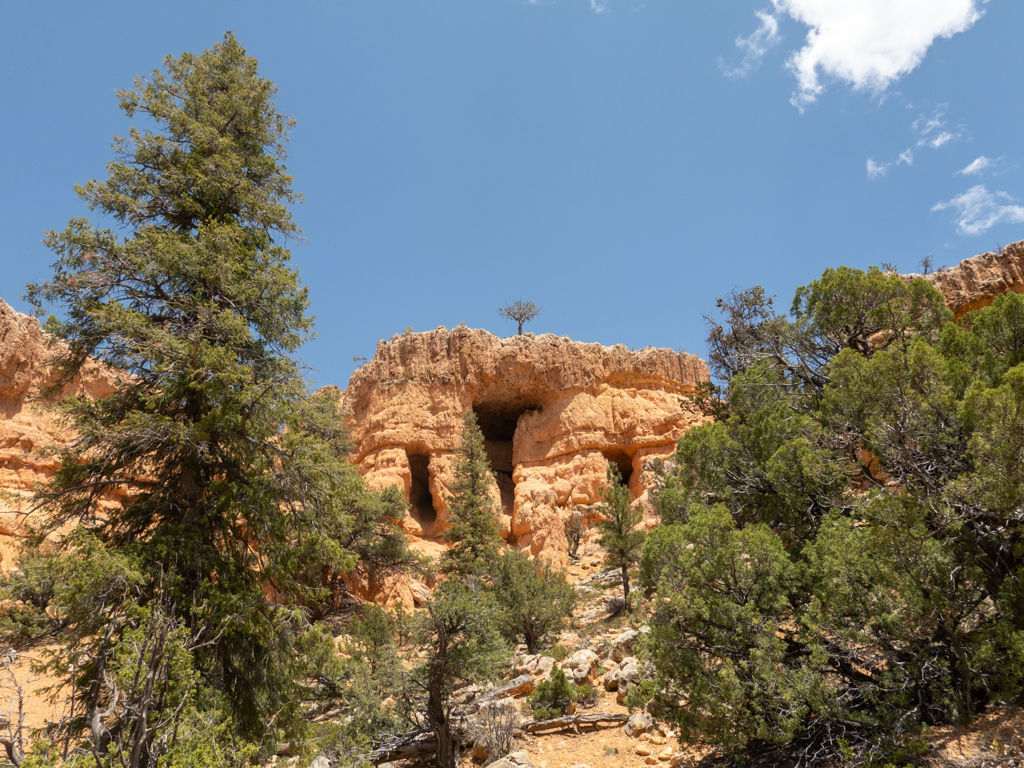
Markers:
869,43
875,170
754,47
978,210
927,126
598,7
880,169
976,167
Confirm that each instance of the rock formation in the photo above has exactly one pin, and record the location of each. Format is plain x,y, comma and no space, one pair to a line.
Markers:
26,428
975,282
554,413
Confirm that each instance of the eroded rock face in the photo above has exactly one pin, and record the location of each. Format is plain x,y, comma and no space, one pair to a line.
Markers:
975,282
554,413
26,428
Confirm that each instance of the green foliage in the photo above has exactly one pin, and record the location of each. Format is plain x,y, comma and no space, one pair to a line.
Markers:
228,474
559,652
841,558
620,534
473,536
369,673
533,601
555,695
459,630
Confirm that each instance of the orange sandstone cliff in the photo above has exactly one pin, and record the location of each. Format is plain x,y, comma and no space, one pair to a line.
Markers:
975,282
554,414
26,428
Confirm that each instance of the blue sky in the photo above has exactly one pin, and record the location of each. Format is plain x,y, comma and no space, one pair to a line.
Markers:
620,162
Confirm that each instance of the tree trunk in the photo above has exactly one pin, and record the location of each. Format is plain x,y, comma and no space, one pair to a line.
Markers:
531,642
446,751
625,588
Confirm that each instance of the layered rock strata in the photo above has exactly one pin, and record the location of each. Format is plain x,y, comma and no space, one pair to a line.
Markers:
554,414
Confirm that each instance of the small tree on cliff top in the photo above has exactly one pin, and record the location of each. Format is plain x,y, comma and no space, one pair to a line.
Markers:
473,535
520,312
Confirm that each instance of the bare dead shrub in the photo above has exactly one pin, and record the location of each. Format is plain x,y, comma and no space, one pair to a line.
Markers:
494,727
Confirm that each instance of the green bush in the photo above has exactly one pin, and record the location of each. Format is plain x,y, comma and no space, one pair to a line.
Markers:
555,695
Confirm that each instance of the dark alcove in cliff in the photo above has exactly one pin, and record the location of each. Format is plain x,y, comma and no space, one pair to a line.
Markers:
498,425
622,461
421,503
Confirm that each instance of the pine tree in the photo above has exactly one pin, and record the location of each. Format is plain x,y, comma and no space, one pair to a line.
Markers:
229,475
620,536
472,510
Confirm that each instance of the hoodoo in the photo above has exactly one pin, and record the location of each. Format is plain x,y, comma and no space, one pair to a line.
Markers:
554,414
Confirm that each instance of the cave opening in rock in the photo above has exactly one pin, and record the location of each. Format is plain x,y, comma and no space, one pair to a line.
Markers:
498,425
421,503
621,460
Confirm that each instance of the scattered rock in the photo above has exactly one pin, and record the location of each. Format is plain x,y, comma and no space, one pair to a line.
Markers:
320,762
639,723
622,645
420,593
643,750
538,666
623,676
580,667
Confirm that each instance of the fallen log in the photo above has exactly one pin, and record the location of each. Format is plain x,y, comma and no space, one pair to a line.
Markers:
521,685
575,721
424,746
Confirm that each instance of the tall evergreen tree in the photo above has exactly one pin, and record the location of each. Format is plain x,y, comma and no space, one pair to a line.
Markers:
227,473
472,510
621,535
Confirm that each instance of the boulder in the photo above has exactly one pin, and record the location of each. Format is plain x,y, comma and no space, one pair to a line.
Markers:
639,723
580,667
623,676
622,645
514,760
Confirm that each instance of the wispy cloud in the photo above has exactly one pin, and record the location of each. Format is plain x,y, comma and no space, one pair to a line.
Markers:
868,43
931,131
976,167
754,46
978,210
598,7
877,170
